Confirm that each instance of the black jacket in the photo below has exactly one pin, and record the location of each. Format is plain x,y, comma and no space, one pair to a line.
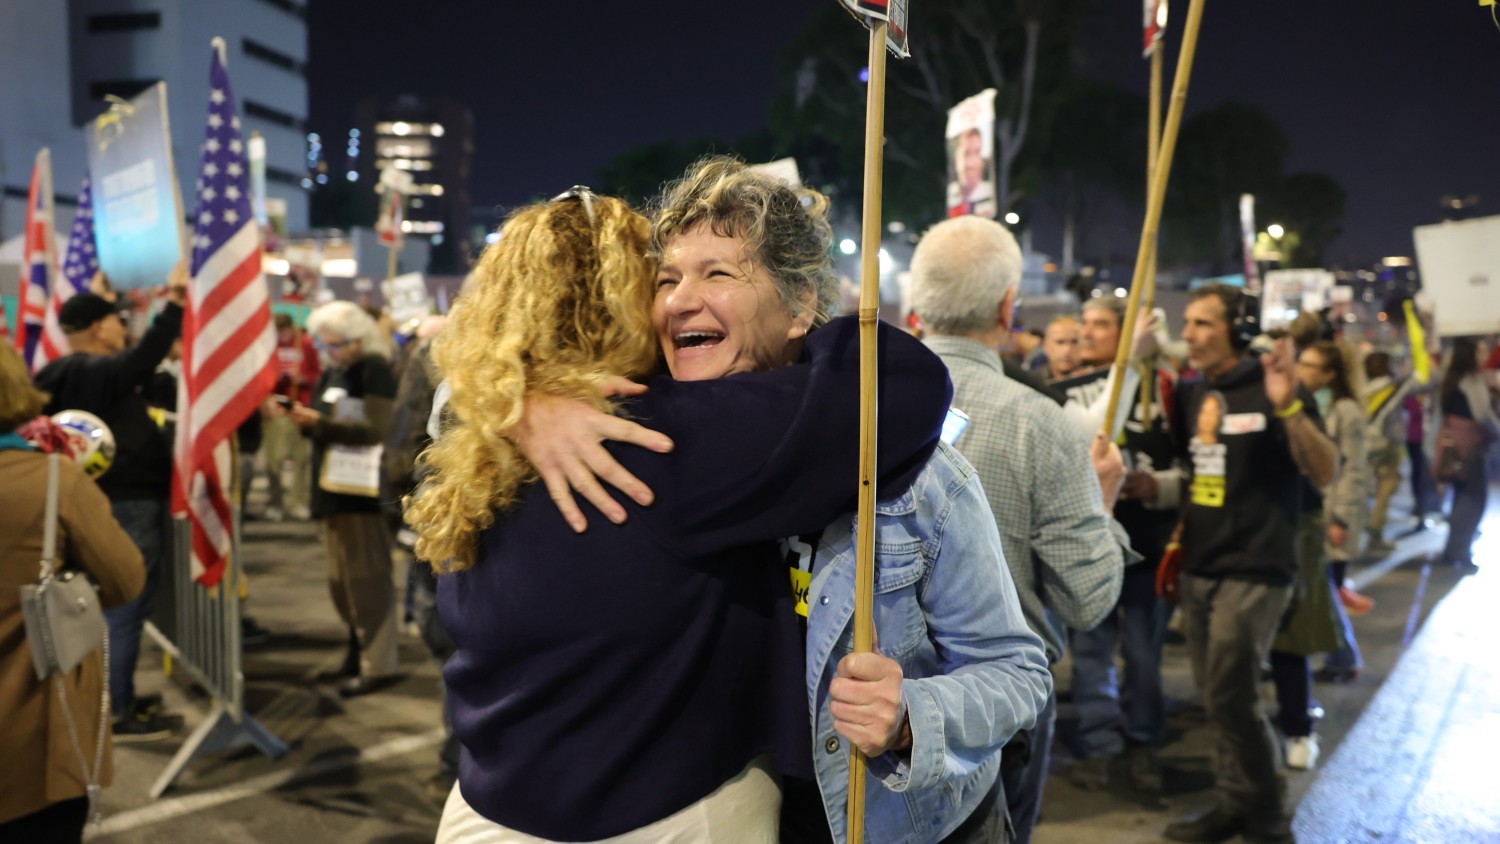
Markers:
110,387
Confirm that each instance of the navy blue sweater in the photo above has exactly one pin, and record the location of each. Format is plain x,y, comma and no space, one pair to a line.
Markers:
606,680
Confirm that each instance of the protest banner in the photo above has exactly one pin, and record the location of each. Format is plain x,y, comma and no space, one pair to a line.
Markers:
138,217
1287,292
1460,264
970,139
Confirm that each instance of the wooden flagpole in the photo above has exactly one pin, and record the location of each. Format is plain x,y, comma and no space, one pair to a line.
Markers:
1153,149
1154,199
869,318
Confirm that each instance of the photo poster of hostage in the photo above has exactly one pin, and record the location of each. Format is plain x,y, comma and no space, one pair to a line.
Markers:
138,208
1209,455
970,140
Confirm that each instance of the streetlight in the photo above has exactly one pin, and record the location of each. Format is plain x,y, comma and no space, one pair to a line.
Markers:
1275,230
848,246
1012,218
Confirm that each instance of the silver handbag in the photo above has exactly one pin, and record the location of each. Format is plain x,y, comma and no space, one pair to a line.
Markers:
64,625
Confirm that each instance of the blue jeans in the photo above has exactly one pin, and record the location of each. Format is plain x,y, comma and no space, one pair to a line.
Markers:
1469,493
1023,782
1112,711
145,521
1347,657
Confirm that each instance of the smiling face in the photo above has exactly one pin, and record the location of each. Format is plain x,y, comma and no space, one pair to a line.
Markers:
718,312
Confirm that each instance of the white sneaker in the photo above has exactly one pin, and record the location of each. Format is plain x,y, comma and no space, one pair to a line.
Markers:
1302,752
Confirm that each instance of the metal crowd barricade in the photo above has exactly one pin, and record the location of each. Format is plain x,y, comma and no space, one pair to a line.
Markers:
207,633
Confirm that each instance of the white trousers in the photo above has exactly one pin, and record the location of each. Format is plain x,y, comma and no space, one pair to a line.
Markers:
744,810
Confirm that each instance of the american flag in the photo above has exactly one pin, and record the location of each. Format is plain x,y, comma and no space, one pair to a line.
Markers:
228,343
79,266
40,260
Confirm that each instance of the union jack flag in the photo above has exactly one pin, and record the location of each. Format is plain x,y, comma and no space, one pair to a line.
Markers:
228,342
79,265
39,259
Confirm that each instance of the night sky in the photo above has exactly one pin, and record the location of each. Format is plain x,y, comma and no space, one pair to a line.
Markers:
1399,100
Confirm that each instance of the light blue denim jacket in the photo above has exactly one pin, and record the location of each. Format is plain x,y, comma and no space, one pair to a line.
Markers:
947,611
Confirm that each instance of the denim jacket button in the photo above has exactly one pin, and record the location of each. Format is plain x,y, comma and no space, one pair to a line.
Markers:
832,745
824,601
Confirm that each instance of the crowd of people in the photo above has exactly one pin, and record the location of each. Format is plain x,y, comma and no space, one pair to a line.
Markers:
622,469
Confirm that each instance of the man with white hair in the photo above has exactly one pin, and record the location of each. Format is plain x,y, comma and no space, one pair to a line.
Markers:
1059,541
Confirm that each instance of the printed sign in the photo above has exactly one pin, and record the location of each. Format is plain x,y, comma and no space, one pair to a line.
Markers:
407,298
1289,291
892,11
138,217
971,156
783,169
1461,272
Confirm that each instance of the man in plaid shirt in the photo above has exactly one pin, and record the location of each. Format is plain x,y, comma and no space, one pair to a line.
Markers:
1050,502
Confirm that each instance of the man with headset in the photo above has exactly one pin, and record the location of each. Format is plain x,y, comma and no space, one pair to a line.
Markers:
1251,443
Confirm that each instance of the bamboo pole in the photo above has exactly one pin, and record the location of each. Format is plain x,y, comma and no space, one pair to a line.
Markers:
1153,149
1154,200
869,319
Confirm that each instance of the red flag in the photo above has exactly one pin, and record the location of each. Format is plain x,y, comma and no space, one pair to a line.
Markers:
228,342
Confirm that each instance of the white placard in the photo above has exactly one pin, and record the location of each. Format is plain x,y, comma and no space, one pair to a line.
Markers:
1289,291
1460,265
784,169
351,470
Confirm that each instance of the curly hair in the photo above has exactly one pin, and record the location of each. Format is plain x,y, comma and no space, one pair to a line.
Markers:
20,402
560,300
786,229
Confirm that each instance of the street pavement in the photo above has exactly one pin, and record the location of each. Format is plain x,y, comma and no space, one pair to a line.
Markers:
1405,747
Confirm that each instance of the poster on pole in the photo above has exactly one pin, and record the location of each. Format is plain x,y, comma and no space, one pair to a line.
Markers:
1154,23
971,156
1289,291
891,11
1460,264
782,169
407,298
394,185
138,217
1247,242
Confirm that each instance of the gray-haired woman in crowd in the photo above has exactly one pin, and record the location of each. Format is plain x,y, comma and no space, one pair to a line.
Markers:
349,415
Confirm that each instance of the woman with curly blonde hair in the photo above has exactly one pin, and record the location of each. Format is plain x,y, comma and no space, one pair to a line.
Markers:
622,683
